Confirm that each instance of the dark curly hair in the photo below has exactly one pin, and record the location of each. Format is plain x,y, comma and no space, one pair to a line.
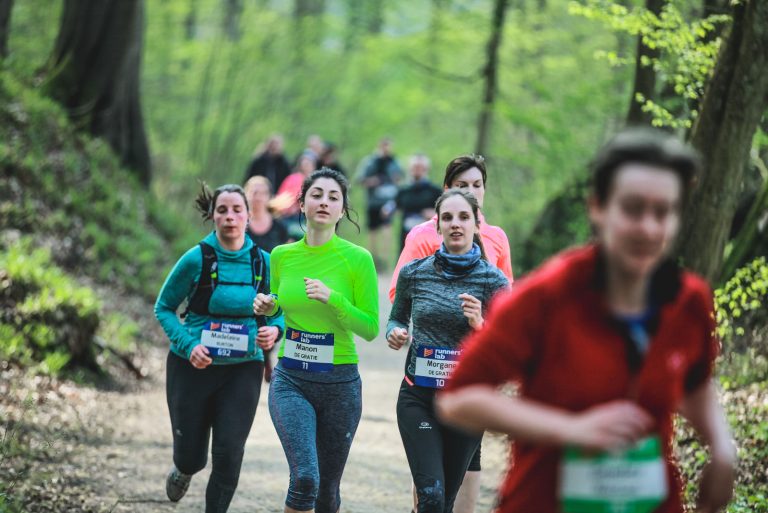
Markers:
338,177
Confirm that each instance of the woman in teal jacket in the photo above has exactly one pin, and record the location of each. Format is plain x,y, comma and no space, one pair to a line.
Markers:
216,361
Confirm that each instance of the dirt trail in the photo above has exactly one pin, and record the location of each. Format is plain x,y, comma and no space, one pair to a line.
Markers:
131,470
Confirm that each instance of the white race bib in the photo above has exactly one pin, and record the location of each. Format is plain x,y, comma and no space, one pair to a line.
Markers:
629,481
225,339
434,365
304,350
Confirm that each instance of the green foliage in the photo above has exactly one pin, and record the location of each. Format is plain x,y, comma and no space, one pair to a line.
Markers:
745,292
747,411
60,184
46,319
688,52
562,223
120,332
741,319
210,100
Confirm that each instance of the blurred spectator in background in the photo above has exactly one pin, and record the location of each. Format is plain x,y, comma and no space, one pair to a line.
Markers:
269,162
329,158
263,229
380,174
417,199
287,200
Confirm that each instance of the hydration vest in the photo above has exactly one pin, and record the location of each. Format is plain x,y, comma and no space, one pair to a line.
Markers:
198,303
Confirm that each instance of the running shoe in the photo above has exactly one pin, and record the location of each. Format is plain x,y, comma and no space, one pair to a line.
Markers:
176,484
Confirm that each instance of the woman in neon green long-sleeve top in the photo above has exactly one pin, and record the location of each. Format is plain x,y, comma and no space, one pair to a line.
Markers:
327,290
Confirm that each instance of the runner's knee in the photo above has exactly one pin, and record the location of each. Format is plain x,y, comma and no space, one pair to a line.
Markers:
302,492
431,494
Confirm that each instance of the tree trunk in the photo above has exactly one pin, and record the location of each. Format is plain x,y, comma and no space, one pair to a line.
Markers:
362,17
190,21
733,104
490,75
303,8
232,11
5,25
645,75
375,17
752,231
94,73
308,28
434,40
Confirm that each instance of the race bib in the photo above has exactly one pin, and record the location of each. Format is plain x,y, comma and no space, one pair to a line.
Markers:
434,365
307,351
628,481
225,339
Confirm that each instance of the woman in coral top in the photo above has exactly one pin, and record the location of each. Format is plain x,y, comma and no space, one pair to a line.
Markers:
607,343
466,172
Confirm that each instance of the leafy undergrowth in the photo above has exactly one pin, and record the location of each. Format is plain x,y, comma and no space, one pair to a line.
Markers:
68,191
83,247
49,322
747,412
48,429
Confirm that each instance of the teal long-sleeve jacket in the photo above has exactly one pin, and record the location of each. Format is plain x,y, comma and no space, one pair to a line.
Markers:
231,300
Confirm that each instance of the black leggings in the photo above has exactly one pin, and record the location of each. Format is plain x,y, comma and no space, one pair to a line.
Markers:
437,454
221,399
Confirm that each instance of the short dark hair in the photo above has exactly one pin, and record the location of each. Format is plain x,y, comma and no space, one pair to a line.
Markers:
326,172
648,146
205,202
461,164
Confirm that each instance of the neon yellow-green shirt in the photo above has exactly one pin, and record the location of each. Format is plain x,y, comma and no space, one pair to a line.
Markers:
353,306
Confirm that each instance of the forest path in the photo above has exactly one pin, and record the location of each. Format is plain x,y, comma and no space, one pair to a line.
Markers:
131,469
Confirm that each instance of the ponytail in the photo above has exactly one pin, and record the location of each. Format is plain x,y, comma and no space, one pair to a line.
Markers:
204,201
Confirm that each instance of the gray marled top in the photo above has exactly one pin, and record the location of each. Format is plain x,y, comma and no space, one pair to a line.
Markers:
430,300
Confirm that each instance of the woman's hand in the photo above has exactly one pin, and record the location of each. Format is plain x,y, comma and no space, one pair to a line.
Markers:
263,304
317,290
608,426
397,338
199,357
266,337
473,310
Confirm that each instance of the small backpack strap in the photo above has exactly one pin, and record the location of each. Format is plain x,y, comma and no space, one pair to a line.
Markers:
259,278
209,276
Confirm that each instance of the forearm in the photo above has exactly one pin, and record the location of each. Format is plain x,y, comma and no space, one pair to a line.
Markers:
176,332
363,321
394,323
277,321
481,407
703,411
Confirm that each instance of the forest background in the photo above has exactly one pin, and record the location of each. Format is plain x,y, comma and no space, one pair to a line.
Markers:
112,111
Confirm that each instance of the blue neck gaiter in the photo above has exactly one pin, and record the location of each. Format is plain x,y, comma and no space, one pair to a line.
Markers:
456,266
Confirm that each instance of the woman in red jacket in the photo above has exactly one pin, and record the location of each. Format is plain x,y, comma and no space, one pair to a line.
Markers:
607,342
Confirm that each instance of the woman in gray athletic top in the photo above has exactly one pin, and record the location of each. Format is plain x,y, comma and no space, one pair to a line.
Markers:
444,295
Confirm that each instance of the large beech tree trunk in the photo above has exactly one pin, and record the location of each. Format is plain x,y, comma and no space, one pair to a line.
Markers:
94,73
734,102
